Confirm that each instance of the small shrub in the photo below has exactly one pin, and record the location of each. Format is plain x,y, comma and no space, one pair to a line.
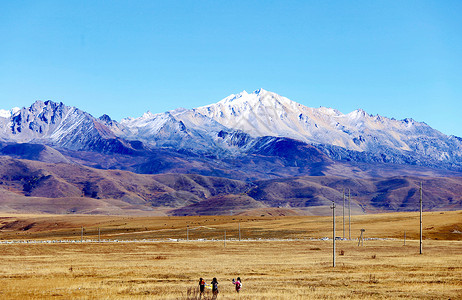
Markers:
372,279
374,256
342,252
315,248
160,257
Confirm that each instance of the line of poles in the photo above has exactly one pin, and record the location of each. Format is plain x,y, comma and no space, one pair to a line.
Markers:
362,230
81,234
333,224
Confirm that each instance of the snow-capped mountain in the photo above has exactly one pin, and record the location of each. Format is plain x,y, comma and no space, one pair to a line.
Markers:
56,124
264,113
181,129
237,126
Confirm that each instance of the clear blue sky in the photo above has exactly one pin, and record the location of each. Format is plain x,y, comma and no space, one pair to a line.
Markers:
394,58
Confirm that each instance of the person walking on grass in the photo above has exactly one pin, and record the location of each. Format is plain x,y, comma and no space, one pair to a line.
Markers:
214,284
238,284
201,286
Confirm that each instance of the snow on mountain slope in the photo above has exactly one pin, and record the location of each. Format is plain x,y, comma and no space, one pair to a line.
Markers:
260,114
8,113
58,125
180,128
264,113
234,126
147,125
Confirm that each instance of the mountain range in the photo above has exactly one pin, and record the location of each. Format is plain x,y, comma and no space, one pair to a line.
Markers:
250,138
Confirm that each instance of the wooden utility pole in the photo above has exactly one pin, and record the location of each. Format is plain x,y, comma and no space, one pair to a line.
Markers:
81,235
349,216
404,238
99,234
187,232
333,233
343,208
225,239
420,217
239,231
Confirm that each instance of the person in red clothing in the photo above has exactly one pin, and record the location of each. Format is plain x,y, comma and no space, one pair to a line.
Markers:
238,284
201,285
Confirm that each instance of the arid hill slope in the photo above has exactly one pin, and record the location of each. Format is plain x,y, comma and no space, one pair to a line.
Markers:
32,186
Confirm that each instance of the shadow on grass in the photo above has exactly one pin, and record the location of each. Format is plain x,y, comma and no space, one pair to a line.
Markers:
194,294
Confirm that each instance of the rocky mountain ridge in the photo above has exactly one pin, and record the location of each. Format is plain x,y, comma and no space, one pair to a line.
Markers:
234,127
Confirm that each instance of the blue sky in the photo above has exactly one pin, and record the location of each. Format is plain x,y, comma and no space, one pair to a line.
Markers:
394,58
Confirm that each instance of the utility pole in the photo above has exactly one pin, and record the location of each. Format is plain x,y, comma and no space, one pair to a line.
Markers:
349,215
420,217
343,208
333,233
81,235
239,231
187,233
404,238
225,238
99,234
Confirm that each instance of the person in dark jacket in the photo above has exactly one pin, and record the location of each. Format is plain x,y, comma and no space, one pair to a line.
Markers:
201,285
214,284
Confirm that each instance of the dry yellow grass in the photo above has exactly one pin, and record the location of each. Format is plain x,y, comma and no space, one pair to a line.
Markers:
269,270
297,269
437,225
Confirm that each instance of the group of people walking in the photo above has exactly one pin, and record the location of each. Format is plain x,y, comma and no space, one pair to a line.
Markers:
214,285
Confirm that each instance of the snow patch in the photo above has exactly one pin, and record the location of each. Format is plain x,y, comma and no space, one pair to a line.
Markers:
9,113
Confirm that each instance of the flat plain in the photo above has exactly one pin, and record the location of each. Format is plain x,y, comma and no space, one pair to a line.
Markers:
277,257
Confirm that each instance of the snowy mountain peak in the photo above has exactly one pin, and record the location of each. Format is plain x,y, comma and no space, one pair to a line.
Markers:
233,98
56,124
37,106
357,114
259,91
105,118
260,113
147,115
9,113
259,97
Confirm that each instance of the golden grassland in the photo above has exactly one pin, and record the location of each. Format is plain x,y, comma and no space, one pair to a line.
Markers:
270,269
437,226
